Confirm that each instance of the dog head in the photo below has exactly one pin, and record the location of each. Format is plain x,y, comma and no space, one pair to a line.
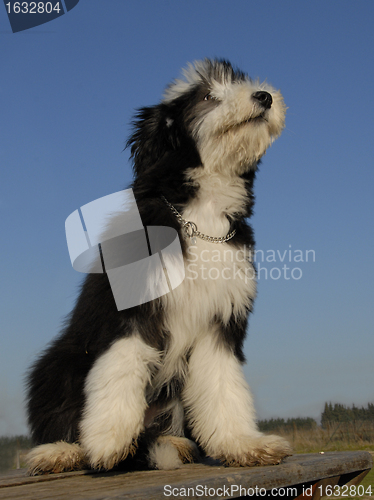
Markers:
215,117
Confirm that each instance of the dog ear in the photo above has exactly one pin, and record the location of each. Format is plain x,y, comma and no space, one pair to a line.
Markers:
156,132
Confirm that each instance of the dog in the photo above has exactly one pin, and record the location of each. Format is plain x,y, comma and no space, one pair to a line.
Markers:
164,380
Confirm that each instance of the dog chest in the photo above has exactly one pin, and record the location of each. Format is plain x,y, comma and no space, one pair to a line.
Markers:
219,281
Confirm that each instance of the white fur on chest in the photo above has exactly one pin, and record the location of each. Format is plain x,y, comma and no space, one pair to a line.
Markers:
219,278
219,281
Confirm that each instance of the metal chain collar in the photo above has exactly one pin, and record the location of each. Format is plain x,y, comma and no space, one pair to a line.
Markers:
192,231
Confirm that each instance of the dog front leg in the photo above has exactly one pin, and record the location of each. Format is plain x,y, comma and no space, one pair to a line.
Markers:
220,409
113,415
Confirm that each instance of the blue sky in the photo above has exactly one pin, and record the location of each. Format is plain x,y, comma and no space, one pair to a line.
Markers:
68,90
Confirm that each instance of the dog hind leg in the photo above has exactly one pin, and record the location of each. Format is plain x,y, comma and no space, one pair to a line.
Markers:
55,457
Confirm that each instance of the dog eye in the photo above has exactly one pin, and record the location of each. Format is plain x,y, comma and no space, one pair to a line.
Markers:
209,97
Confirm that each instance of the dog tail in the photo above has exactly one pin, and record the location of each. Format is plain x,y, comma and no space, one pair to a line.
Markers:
171,452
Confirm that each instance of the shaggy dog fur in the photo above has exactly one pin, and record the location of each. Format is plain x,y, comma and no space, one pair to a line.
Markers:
144,380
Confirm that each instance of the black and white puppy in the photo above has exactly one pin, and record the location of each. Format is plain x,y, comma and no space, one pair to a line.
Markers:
115,383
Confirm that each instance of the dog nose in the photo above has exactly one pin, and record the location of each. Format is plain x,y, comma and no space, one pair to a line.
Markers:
264,98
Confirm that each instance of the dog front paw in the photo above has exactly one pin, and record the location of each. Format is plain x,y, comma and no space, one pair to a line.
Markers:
108,455
262,450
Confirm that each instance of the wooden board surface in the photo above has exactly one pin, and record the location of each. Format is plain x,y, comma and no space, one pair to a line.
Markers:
295,470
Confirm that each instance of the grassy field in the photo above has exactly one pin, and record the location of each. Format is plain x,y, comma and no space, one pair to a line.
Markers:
12,449
337,436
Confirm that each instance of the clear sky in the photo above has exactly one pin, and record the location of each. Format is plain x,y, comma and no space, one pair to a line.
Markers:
68,90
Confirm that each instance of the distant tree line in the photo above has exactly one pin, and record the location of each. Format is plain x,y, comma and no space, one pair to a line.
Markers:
340,413
331,413
306,423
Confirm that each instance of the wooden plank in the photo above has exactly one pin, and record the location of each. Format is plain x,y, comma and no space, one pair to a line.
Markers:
215,480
